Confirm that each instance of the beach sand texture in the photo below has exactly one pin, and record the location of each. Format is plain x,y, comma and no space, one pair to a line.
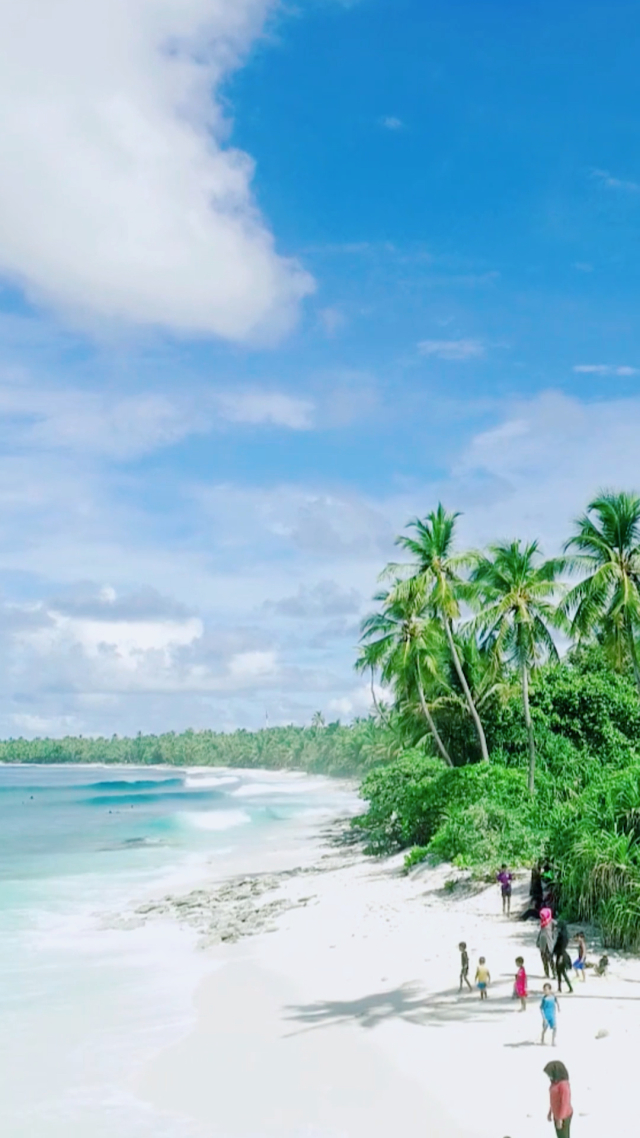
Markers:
346,1020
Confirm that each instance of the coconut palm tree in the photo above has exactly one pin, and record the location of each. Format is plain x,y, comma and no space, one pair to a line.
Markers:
607,601
516,592
404,644
431,544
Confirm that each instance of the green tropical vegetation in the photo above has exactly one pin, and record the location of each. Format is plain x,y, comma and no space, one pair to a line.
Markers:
332,748
526,755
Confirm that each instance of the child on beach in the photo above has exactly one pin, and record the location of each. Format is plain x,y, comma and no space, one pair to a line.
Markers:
549,1007
521,984
483,978
504,879
464,965
580,965
560,1109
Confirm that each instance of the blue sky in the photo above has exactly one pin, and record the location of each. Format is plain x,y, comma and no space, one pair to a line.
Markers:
273,280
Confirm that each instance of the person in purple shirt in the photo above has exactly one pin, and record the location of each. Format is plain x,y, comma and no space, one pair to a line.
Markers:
504,880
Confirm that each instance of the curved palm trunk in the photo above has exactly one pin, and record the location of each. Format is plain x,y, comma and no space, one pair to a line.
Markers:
473,712
373,695
529,725
432,727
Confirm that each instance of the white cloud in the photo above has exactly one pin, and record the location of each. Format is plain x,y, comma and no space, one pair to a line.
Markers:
390,122
252,665
267,407
120,197
610,183
605,369
534,472
452,349
326,599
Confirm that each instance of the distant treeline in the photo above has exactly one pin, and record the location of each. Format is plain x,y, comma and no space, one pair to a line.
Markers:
321,748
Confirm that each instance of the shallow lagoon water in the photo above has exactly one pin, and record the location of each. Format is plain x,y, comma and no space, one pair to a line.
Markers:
82,1005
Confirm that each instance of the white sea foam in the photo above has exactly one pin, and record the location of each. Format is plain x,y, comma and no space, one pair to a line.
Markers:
259,789
204,782
215,819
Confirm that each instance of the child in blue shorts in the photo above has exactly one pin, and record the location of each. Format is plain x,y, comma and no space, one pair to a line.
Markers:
549,1007
580,965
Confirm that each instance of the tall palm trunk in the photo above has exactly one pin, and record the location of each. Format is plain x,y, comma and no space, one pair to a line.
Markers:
473,712
432,727
373,695
529,725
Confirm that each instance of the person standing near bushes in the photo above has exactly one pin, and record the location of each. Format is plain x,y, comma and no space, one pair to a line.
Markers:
560,1109
546,941
505,880
562,958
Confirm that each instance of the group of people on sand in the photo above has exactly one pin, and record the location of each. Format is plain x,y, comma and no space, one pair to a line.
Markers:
553,941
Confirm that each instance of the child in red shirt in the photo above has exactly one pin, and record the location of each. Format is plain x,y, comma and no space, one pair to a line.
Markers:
520,988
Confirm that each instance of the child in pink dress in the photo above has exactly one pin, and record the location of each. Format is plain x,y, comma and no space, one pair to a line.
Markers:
521,984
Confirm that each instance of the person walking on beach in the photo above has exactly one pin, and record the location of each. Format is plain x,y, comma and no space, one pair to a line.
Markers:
560,1109
483,978
562,958
521,984
580,965
505,879
546,941
549,1007
464,966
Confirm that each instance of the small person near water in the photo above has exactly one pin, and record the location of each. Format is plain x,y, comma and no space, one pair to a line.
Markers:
580,965
464,966
560,1108
549,1007
505,879
483,978
520,988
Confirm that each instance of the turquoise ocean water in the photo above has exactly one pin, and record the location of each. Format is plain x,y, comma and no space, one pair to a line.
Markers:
83,1004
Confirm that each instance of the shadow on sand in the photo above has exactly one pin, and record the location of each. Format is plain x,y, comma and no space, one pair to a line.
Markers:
408,1003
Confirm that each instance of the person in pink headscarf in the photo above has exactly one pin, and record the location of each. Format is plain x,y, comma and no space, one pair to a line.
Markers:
546,941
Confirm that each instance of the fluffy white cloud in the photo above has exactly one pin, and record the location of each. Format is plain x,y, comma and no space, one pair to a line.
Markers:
452,349
390,122
120,197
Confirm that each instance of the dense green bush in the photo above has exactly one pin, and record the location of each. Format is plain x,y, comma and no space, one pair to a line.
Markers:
584,818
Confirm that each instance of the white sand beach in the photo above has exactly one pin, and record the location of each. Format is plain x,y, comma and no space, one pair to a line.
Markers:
346,1019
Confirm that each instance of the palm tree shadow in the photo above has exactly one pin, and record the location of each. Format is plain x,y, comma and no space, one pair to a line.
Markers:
407,1002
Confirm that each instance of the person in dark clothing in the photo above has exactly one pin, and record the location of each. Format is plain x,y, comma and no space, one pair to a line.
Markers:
536,895
563,964
562,958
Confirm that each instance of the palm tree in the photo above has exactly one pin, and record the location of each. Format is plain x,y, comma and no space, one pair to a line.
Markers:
439,568
403,643
607,601
368,661
516,593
